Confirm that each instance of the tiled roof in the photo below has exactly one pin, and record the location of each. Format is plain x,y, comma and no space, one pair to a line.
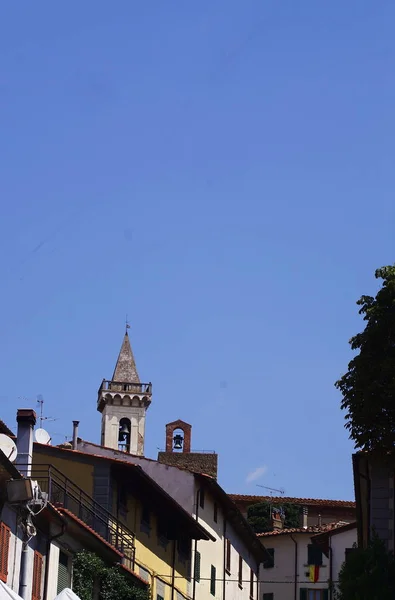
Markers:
64,511
286,500
5,429
312,529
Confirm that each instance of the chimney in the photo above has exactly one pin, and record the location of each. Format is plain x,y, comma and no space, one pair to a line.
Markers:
26,419
303,517
277,522
75,434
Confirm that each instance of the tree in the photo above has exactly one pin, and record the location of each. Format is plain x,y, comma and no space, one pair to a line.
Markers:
89,570
368,387
367,574
259,516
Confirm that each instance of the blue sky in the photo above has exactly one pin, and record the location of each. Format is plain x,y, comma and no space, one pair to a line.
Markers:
223,173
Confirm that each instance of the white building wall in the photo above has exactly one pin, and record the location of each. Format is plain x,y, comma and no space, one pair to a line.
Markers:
211,553
280,580
339,543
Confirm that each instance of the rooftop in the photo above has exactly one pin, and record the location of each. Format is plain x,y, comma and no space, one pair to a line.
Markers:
287,500
312,529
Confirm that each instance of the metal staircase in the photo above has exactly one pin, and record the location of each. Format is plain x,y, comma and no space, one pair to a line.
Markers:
63,492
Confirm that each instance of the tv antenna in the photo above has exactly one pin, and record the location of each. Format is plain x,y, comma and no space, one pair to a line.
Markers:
40,401
282,492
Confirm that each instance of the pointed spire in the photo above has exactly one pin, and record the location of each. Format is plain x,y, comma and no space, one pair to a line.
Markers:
125,369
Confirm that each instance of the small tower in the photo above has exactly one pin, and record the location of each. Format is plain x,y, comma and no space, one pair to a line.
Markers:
178,451
123,402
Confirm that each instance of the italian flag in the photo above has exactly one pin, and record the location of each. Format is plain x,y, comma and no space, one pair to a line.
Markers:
314,573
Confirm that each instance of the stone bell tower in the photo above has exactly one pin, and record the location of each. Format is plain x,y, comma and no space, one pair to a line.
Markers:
123,402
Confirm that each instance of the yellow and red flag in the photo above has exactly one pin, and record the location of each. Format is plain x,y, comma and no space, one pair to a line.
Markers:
314,573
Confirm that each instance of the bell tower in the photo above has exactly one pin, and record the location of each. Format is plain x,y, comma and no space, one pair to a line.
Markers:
123,402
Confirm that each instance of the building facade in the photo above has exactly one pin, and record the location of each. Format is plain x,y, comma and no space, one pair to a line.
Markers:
301,565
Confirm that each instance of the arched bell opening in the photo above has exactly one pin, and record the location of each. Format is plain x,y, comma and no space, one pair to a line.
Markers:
124,435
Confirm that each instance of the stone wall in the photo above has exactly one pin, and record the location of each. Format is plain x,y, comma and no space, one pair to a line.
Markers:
196,462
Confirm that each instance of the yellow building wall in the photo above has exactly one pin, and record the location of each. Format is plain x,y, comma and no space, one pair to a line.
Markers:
79,473
150,555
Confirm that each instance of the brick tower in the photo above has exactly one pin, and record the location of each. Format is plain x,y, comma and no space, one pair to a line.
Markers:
178,451
123,402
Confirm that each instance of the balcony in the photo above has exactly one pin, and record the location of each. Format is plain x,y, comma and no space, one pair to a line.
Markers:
63,492
122,386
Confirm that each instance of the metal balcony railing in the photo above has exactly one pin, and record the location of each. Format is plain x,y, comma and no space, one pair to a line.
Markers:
123,386
63,492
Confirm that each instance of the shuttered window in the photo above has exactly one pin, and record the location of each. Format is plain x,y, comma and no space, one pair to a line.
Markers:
63,572
37,576
212,580
240,572
197,566
314,555
5,533
228,551
268,563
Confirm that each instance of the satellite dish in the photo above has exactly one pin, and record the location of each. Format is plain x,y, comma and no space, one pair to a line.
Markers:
8,446
42,436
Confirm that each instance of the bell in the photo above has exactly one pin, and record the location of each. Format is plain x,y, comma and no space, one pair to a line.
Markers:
124,429
178,441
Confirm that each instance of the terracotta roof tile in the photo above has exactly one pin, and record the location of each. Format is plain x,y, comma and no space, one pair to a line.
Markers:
287,500
64,511
312,529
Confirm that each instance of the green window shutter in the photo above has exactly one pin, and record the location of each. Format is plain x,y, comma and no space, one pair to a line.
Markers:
197,566
63,572
325,594
303,594
212,581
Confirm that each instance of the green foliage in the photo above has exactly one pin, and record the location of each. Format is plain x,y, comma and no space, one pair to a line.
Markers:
368,574
89,570
368,387
259,516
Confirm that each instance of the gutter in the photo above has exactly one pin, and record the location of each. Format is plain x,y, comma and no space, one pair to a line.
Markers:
173,567
194,561
224,567
295,567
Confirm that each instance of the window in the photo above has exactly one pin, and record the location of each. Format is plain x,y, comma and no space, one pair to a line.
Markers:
160,590
144,574
240,572
268,563
197,566
145,520
212,580
215,512
306,594
162,533
201,497
184,549
5,533
63,572
314,555
269,596
37,576
251,583
228,551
